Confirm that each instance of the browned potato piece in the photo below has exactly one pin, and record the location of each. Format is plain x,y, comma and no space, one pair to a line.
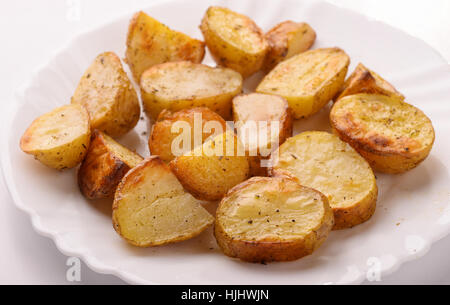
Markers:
104,166
308,81
286,40
162,137
392,135
150,43
180,85
108,95
253,116
235,41
151,208
210,170
322,161
364,80
59,139
272,219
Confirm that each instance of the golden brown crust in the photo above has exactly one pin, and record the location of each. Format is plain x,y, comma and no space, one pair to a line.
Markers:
101,170
161,139
363,80
232,52
150,42
270,249
387,148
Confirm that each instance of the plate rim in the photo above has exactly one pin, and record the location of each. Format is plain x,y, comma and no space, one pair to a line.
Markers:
94,263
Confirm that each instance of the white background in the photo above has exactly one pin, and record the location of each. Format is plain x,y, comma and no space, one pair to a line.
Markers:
31,31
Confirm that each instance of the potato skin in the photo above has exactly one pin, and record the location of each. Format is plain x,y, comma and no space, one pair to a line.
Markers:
309,80
195,169
160,141
108,95
287,39
180,85
183,216
102,169
229,48
150,43
347,179
385,153
363,80
271,249
48,140
262,107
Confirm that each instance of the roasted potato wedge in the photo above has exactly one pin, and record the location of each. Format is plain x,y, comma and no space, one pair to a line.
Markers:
272,219
234,40
180,85
308,81
323,162
286,40
392,135
104,166
162,138
254,115
150,43
59,139
151,207
363,80
210,170
108,95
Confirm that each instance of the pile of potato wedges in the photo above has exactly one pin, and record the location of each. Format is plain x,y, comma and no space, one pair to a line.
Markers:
278,196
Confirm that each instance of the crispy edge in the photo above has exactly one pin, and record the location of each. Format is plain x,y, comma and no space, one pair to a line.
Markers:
272,250
101,170
385,160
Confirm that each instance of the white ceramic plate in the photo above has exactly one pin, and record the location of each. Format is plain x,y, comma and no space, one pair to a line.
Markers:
413,210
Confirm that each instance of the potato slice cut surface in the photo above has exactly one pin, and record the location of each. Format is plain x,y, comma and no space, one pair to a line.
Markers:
322,161
308,81
180,85
60,138
392,135
108,95
151,207
272,219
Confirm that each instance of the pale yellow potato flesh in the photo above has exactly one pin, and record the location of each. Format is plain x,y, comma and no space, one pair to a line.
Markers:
151,43
108,95
272,219
308,81
392,135
235,41
59,139
181,85
151,207
323,162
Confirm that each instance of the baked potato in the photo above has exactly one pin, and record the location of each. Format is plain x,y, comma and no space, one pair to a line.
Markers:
286,40
104,166
210,170
254,115
150,43
392,135
234,40
59,139
272,219
323,162
108,95
163,137
363,80
151,207
308,81
180,85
